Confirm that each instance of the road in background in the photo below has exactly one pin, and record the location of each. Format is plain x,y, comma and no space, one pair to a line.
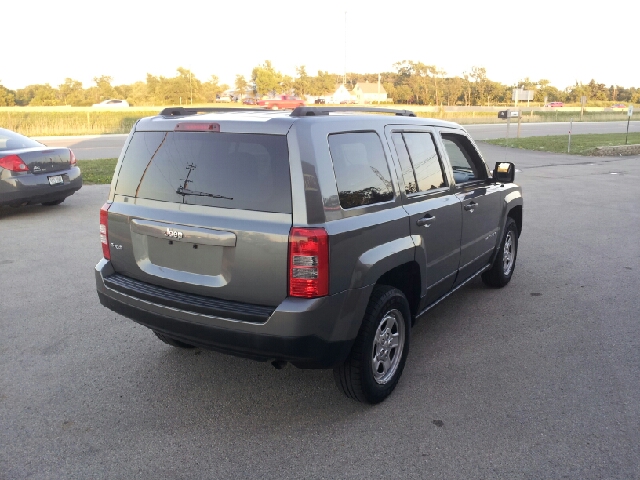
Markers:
88,147
487,132
536,380
109,146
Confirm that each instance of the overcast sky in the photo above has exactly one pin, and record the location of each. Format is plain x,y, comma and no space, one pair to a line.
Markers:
562,41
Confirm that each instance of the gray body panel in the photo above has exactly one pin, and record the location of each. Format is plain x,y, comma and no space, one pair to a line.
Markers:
242,255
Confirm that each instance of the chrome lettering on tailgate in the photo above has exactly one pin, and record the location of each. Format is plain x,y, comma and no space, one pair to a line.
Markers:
173,233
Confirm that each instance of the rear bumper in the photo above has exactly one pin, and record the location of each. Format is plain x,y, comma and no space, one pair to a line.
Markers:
316,333
29,189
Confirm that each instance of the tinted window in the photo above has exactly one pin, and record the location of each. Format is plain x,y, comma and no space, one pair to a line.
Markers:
231,170
410,183
425,160
361,169
465,161
11,141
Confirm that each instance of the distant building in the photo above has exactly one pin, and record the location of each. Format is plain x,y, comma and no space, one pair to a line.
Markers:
342,95
369,93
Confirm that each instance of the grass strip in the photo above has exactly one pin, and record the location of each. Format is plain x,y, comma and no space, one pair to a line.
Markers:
580,144
97,172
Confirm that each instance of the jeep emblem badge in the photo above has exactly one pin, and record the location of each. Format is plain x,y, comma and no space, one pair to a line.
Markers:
173,234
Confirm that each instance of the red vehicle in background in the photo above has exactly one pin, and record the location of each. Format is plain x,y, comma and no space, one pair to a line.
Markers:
283,101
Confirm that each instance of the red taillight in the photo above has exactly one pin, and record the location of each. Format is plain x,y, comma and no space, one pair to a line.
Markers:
308,262
13,163
104,231
72,158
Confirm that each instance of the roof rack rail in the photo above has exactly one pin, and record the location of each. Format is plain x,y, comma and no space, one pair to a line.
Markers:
180,111
311,111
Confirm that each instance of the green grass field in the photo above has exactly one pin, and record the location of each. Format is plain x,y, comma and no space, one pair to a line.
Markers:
95,172
580,144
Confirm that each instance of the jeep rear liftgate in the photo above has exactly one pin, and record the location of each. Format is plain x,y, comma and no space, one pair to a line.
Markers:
204,212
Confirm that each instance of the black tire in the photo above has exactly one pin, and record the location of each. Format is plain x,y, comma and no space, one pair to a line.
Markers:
55,202
503,266
172,341
355,377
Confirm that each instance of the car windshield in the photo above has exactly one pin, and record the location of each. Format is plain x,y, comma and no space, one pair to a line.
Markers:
12,141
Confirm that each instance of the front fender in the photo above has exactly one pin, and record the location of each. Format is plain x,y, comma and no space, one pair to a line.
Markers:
375,262
512,198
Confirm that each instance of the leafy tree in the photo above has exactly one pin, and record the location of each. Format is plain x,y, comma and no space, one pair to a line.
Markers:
479,76
403,94
124,91
72,93
266,79
302,83
139,94
287,84
241,85
104,89
546,90
324,83
7,97
437,73
466,89
44,95
574,92
391,90
597,91
212,88
453,89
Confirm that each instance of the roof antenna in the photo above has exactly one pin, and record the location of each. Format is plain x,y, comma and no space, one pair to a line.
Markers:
344,76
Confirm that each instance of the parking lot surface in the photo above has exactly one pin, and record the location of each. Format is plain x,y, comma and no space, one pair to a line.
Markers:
538,380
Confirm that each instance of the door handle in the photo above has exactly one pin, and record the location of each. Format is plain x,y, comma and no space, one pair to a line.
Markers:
426,220
470,207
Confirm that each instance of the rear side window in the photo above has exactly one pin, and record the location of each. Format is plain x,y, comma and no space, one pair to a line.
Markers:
230,170
408,175
420,162
361,170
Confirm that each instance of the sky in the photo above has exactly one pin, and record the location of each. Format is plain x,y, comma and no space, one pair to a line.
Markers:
561,41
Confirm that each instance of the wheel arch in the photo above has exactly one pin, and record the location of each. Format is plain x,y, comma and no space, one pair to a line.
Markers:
406,278
516,214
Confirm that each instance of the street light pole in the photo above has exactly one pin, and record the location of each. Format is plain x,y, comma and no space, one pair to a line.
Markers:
344,77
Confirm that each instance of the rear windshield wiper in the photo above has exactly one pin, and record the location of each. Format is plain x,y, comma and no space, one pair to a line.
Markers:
185,191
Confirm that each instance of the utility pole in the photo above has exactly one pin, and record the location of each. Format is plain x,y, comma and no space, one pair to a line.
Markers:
344,76
378,89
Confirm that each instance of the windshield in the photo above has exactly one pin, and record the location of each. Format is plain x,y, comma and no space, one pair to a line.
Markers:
230,170
12,141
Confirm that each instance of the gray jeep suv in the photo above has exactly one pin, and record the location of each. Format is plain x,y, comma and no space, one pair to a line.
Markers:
314,237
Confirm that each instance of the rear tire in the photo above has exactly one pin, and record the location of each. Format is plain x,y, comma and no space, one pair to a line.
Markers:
55,202
172,341
377,358
505,262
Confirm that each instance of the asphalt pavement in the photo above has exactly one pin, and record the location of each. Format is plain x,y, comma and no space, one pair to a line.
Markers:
92,147
538,380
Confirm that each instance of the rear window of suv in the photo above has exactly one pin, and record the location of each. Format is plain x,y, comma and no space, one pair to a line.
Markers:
229,170
361,170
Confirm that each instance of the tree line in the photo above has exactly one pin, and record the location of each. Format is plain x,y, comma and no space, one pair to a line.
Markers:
409,83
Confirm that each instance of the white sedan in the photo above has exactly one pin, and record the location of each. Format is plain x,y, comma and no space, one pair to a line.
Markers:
112,103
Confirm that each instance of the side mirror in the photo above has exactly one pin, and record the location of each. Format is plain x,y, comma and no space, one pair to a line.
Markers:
504,172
